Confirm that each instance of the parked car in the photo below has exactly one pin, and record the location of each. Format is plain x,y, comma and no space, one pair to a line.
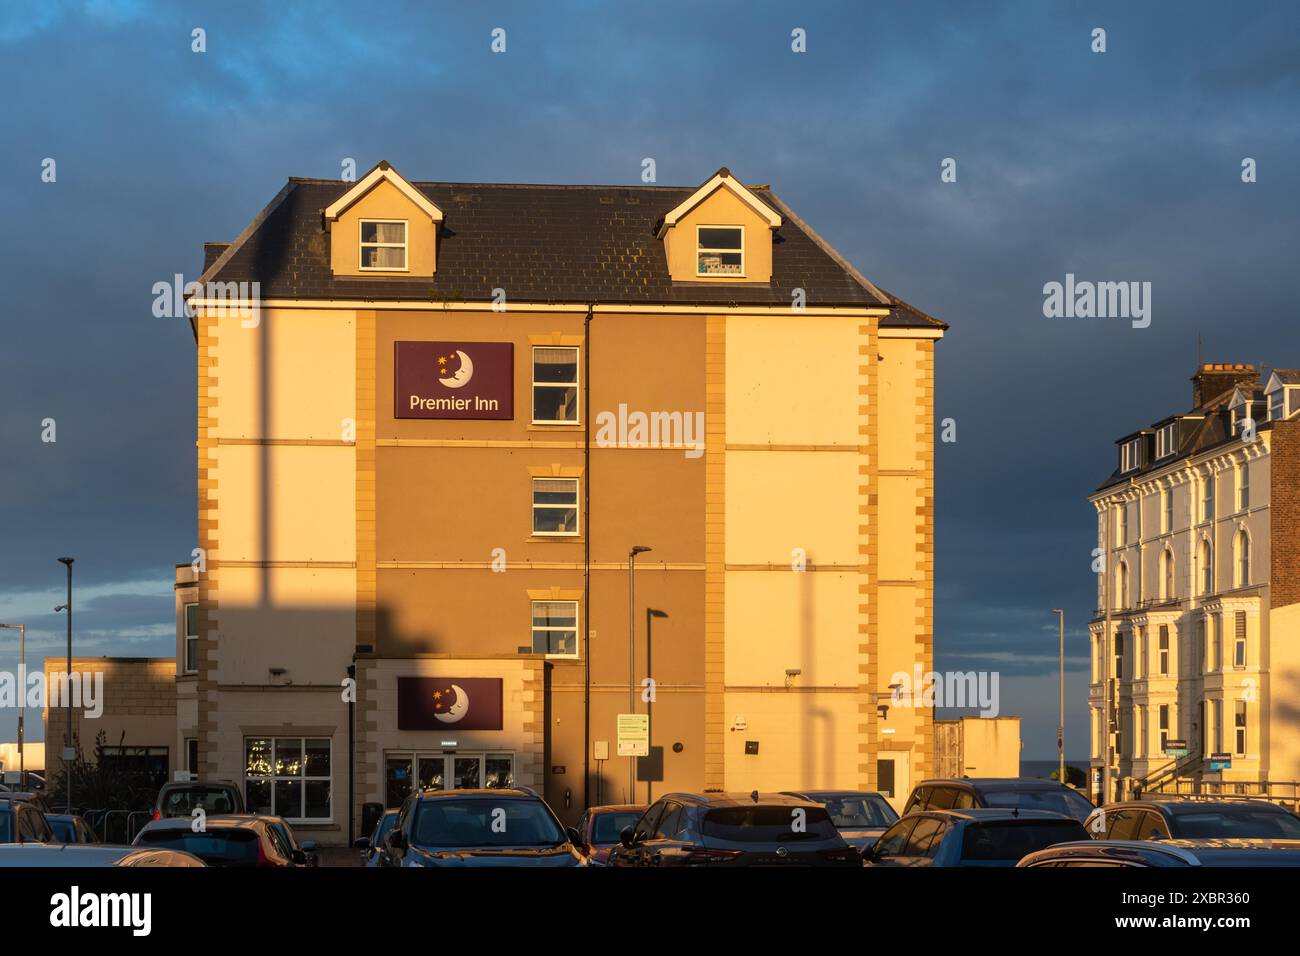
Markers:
733,829
240,841
372,847
600,828
21,821
1163,819
1023,793
307,848
979,836
71,828
180,799
475,828
82,855
18,780
1111,853
861,816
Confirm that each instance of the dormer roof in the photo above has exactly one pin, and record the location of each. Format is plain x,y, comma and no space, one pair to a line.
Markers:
382,172
722,179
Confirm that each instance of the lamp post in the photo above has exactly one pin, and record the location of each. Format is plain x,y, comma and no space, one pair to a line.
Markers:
22,699
650,615
631,656
1060,726
67,772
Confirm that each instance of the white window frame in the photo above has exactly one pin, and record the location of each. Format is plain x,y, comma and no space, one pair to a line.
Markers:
699,248
1277,405
1240,716
577,508
1130,454
1239,639
404,245
1162,650
1167,510
1166,440
187,637
577,628
272,777
1243,487
1207,498
576,385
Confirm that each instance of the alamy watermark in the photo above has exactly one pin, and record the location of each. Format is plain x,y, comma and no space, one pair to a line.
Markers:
624,429
83,690
1082,299
964,689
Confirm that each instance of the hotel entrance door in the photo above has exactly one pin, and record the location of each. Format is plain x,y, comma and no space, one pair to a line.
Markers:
445,771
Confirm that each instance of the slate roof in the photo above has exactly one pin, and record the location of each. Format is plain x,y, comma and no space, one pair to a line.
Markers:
541,243
1213,430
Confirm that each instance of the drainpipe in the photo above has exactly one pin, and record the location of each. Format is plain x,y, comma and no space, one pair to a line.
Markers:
585,617
352,762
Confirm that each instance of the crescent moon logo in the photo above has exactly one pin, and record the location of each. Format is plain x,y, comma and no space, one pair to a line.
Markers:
457,710
462,375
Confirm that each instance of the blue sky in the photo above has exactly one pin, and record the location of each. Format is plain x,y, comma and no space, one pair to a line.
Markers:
1116,166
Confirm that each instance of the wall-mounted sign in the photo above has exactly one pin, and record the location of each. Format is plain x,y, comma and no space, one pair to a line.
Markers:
448,703
1220,761
459,380
1176,748
633,735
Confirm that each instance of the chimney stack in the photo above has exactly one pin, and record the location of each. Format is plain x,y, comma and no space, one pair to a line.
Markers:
1212,379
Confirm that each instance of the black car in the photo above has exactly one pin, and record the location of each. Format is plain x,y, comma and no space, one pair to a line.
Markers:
733,829
479,828
1018,793
1138,853
977,837
21,821
1192,819
71,828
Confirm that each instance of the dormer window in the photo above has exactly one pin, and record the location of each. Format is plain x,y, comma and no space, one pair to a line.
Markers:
1277,405
721,250
1128,454
1167,440
383,245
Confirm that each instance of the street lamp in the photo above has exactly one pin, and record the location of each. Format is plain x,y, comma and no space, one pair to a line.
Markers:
631,655
650,615
22,699
1060,727
67,772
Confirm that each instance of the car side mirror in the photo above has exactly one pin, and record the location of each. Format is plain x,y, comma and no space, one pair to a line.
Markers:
395,840
298,856
627,837
360,843
574,836
868,853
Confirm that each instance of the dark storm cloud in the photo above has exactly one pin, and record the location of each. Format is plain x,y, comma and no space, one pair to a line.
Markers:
1117,166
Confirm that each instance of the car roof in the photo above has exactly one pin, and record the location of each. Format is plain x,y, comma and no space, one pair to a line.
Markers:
618,808
814,794
198,784
64,854
226,820
995,783
511,792
1107,848
994,814
726,799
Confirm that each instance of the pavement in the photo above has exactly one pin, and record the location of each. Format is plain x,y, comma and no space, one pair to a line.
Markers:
339,856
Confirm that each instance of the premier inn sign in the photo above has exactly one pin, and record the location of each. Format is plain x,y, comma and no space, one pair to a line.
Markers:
464,380
448,703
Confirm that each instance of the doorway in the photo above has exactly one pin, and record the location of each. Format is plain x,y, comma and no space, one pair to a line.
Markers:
445,771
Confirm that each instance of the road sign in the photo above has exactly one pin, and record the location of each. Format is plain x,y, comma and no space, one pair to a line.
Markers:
1220,761
1176,748
633,735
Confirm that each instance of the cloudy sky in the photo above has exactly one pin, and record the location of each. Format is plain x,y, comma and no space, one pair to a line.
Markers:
1123,165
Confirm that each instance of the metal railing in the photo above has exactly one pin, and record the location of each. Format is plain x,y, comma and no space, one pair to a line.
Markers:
1283,792
116,826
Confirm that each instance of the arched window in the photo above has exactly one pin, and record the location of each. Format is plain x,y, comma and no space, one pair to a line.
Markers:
1207,567
1243,558
1167,575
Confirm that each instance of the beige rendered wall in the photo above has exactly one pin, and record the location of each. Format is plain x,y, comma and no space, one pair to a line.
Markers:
990,746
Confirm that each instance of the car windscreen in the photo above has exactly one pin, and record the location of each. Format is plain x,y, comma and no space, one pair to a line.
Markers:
226,846
768,824
6,826
1246,822
1058,800
607,826
484,822
857,811
1009,840
181,803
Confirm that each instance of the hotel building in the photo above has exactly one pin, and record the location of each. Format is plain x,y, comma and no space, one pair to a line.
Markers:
1195,663
434,419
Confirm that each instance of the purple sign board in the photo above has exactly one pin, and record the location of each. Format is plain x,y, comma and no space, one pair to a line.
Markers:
460,380
448,703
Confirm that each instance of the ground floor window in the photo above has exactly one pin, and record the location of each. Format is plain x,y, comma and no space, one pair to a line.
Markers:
288,776
148,764
445,771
